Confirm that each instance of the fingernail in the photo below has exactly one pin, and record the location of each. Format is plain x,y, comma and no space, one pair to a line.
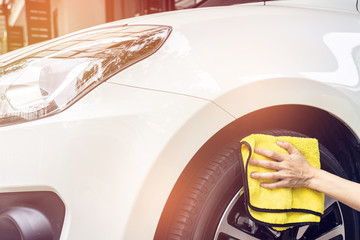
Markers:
279,142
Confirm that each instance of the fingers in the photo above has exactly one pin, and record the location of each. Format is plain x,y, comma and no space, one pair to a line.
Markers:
271,154
288,147
265,164
275,155
265,175
282,181
279,184
287,168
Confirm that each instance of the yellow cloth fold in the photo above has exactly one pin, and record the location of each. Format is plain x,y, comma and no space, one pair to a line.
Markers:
284,207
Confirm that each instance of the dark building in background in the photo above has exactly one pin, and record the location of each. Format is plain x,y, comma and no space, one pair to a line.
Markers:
38,20
24,22
120,9
15,38
3,25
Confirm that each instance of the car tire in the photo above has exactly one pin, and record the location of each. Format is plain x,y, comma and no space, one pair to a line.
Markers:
212,205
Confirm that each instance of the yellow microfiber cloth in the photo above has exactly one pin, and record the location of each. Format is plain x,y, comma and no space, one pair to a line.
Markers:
284,207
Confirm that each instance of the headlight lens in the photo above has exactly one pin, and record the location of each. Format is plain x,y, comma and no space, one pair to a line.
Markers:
44,82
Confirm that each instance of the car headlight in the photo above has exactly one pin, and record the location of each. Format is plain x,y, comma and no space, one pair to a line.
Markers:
45,81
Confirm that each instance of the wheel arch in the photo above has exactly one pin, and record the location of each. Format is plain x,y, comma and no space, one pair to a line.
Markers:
311,121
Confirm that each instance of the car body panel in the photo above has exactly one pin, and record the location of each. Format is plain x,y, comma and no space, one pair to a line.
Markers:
343,5
280,59
115,155
98,161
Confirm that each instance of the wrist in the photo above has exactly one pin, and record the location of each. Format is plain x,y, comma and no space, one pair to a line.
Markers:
312,180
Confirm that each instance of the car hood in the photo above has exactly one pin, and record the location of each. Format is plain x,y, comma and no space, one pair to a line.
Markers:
214,50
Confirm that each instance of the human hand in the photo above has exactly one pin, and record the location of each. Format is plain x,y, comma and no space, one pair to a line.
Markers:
291,170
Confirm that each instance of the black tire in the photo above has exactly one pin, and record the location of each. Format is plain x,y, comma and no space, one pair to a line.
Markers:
210,192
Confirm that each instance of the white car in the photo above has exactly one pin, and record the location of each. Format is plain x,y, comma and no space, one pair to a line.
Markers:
130,130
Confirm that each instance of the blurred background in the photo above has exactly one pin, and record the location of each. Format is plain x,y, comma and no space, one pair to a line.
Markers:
24,22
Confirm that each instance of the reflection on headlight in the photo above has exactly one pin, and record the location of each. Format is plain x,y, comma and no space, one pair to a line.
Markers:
47,81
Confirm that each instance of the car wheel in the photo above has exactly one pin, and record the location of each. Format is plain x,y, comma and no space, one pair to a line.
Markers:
212,205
